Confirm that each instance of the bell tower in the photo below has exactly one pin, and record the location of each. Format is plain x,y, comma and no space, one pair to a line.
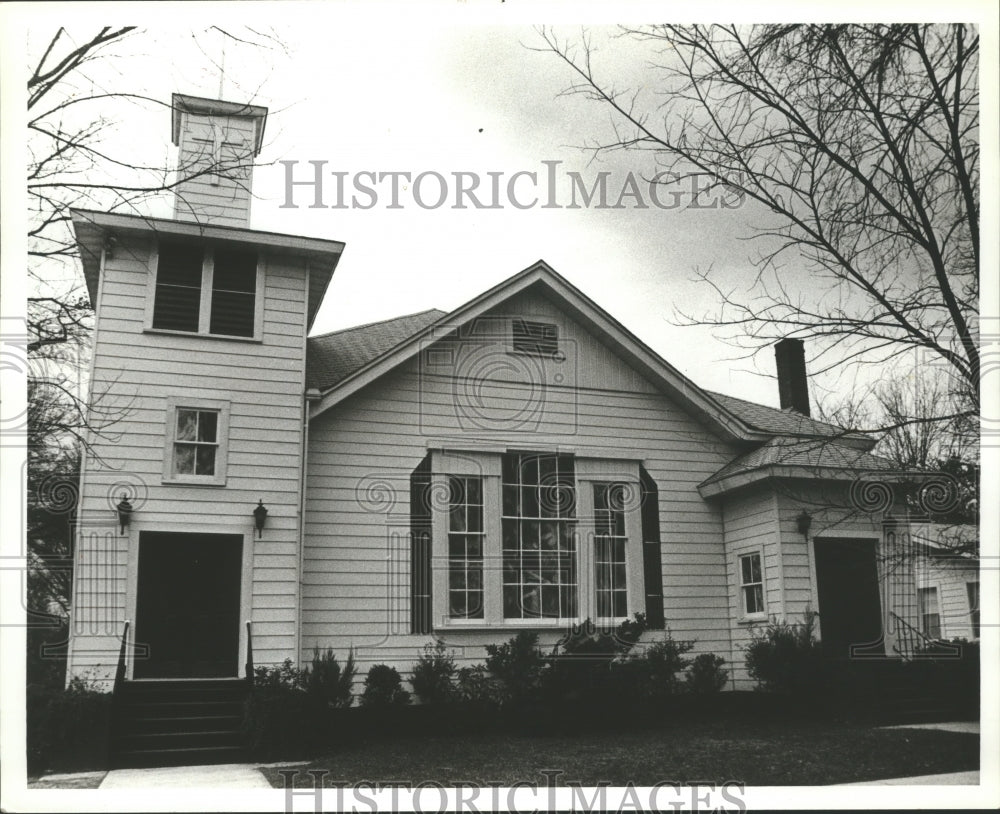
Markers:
217,142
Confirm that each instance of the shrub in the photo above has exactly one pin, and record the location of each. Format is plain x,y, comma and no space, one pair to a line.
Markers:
785,658
280,718
286,676
328,682
655,672
586,663
478,687
67,728
433,674
706,674
383,688
518,664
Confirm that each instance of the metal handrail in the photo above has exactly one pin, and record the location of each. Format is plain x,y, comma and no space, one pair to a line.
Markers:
120,671
249,664
913,640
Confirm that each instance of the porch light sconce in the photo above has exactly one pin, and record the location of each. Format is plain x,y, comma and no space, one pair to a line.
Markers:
804,522
259,517
124,512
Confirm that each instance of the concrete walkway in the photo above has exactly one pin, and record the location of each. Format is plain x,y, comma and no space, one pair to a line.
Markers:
950,779
970,727
222,776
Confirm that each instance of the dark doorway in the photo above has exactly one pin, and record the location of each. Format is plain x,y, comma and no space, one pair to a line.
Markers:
850,613
188,605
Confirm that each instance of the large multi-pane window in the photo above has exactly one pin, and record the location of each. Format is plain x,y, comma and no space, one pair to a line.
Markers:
465,548
539,544
610,575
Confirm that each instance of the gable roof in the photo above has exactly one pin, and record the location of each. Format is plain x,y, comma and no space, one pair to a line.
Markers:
342,362
332,357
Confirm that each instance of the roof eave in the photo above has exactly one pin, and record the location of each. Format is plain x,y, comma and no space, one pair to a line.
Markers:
91,228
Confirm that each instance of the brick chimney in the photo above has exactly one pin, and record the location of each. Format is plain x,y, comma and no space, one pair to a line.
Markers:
793,388
217,142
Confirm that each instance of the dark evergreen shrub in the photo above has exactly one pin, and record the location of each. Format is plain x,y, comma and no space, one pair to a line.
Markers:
653,672
706,674
518,664
328,682
67,729
434,674
786,658
383,688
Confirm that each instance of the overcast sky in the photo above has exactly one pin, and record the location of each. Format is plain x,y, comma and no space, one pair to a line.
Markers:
442,93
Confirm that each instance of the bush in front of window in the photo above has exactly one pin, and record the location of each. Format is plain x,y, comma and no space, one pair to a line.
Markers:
785,658
519,664
706,674
478,688
434,674
384,688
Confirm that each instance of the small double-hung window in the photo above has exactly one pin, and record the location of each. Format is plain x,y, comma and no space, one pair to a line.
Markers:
212,290
197,434
751,584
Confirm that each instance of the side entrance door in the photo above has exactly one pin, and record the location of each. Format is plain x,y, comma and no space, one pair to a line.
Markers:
188,605
850,612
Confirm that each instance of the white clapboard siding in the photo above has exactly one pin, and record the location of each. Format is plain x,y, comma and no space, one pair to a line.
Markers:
362,452
950,575
210,198
137,371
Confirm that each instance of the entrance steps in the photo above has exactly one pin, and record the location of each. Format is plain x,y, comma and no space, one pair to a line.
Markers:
178,722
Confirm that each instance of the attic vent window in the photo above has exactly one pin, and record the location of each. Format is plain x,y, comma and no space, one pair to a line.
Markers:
208,290
535,338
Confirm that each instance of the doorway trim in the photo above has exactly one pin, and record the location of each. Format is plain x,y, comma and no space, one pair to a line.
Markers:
132,580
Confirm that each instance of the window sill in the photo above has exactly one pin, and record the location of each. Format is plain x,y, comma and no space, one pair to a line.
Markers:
512,625
195,335
753,619
193,482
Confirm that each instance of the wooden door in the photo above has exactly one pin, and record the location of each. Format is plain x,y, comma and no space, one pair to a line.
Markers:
850,611
188,605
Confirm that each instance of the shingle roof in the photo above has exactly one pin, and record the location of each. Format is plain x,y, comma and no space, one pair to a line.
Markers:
773,420
332,357
821,453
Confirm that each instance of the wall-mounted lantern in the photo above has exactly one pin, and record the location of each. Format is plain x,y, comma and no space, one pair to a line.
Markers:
124,512
804,522
259,517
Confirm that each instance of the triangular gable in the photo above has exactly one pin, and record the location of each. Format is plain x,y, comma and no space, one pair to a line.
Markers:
581,308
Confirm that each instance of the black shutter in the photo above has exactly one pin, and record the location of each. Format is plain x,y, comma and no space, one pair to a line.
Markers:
420,547
652,558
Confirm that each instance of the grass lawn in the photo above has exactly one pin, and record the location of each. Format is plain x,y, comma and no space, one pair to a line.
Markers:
757,754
